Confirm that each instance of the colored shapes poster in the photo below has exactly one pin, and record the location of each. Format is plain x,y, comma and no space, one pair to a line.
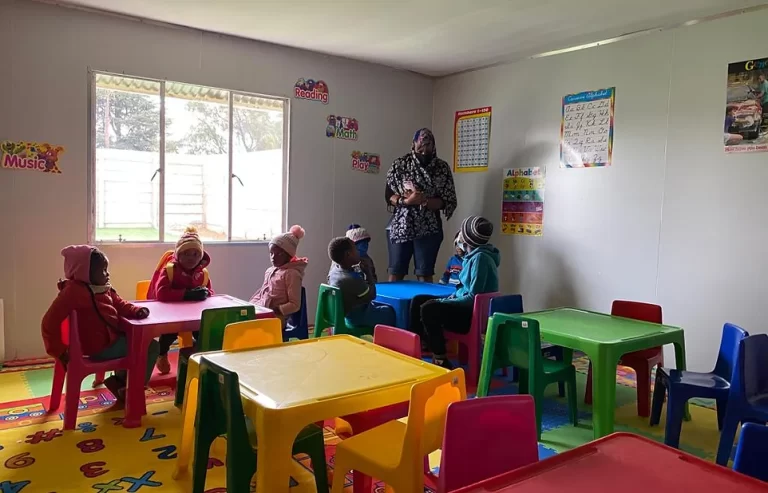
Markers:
471,139
31,156
366,162
341,127
746,107
522,205
586,129
311,90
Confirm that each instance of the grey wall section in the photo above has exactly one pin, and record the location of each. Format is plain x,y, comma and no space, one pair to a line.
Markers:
46,53
674,221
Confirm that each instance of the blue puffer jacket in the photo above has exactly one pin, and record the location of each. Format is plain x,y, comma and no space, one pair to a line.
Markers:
479,275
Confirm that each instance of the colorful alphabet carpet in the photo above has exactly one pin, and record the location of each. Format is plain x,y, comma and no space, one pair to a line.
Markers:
102,456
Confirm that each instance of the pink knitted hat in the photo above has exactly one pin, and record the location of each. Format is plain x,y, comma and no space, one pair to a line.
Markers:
289,241
77,262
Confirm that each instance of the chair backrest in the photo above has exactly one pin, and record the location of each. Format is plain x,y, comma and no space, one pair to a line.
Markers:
480,312
70,335
219,406
253,334
398,340
754,367
299,321
330,309
426,417
518,342
487,437
142,288
508,303
752,451
215,320
637,310
728,355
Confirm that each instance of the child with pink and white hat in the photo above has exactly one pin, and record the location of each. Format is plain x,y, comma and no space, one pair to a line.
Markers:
281,290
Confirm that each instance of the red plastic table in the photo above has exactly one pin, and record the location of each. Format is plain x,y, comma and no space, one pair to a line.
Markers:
164,318
620,462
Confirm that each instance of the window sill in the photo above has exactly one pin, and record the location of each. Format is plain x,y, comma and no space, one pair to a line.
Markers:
208,244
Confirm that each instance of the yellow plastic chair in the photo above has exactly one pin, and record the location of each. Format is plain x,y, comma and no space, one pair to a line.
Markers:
394,452
142,288
252,334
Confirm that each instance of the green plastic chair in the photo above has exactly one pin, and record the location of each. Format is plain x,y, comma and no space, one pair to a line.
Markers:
330,313
211,338
516,341
220,412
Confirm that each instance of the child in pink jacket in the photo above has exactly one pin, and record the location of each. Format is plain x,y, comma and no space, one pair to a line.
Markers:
281,290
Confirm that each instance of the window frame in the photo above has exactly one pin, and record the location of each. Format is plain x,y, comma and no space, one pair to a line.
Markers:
91,184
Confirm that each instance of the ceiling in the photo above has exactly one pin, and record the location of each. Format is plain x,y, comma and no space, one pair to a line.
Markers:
431,37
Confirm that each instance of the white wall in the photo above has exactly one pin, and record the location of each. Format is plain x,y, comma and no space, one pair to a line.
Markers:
46,52
674,221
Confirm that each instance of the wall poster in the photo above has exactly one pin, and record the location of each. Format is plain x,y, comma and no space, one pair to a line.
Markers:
366,162
586,129
31,156
522,206
342,127
471,139
311,90
746,107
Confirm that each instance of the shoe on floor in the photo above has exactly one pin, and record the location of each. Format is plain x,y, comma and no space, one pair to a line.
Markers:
116,387
443,363
163,365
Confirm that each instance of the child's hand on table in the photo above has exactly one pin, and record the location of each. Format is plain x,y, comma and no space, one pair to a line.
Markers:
142,313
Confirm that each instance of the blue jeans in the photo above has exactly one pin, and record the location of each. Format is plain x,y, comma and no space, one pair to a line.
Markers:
371,315
424,251
119,349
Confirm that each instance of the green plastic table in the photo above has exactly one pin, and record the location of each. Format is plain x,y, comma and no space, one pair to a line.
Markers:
604,339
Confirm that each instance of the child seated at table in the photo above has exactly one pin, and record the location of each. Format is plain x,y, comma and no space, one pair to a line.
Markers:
281,290
86,290
479,275
180,276
359,235
358,289
454,265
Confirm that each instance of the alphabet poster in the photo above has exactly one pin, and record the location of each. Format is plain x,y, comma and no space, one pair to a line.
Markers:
31,156
586,129
522,206
746,107
471,139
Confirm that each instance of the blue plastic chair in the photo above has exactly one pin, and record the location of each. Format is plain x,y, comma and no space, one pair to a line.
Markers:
682,385
752,451
297,325
748,398
513,303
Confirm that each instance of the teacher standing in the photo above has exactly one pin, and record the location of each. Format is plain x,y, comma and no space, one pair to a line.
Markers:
419,186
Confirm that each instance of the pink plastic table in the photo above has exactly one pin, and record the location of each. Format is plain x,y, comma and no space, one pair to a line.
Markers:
620,462
164,318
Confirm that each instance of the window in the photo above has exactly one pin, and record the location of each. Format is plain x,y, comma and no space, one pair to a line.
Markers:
169,155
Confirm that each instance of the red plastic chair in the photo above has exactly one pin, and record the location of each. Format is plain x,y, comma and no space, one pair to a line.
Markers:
471,349
640,361
77,369
403,342
487,437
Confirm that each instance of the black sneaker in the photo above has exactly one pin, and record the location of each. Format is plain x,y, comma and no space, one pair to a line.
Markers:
444,363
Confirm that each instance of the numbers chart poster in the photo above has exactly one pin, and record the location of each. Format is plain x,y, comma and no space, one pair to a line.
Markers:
522,207
471,139
586,129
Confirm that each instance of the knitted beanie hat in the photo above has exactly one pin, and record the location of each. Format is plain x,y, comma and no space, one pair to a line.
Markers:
476,231
77,262
356,233
190,239
289,241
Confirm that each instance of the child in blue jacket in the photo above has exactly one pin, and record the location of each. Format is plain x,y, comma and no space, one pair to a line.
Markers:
454,265
479,275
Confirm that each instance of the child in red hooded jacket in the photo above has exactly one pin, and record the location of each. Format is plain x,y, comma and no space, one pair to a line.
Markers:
281,291
183,278
87,291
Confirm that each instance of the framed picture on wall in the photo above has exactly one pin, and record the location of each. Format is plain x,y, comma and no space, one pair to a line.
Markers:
745,127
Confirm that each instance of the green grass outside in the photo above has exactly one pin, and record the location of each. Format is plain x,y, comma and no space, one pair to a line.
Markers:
127,234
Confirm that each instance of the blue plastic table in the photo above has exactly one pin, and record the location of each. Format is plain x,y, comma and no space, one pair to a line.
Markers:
399,294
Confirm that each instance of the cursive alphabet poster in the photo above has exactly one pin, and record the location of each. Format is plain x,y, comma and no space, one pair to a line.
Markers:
586,129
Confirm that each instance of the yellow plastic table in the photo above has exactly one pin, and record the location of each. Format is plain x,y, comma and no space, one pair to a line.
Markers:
288,386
